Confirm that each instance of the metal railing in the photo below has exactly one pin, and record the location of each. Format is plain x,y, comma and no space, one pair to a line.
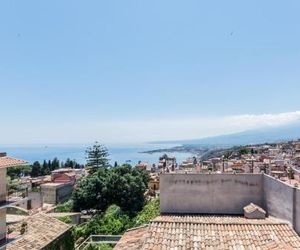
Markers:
99,239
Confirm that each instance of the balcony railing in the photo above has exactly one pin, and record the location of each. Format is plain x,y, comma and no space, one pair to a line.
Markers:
98,240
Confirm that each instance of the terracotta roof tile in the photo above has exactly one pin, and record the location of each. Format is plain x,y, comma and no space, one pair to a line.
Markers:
211,232
41,231
7,161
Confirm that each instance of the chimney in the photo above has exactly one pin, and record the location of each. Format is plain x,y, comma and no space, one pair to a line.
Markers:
253,211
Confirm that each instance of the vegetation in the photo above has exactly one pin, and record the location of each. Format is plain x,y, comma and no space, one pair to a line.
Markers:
64,207
66,219
149,212
71,164
47,167
123,185
115,221
16,172
97,156
65,242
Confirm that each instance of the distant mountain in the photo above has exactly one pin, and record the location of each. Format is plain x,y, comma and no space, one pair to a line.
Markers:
270,134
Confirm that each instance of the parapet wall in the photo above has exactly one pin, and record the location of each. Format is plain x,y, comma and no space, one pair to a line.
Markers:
282,201
209,193
228,194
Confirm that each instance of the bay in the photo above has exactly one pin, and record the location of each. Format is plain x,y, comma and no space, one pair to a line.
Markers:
120,153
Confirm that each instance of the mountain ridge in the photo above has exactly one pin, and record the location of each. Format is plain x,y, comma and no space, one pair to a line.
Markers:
248,137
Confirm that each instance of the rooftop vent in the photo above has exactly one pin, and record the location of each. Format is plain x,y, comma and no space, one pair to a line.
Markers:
253,211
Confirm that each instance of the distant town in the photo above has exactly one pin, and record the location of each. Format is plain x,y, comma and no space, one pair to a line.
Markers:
280,160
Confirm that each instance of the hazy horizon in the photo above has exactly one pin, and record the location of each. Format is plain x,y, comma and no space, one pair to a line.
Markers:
77,72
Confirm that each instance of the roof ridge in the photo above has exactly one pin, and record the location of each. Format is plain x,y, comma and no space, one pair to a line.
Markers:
224,223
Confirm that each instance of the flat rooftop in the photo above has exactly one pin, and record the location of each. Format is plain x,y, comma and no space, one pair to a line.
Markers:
53,184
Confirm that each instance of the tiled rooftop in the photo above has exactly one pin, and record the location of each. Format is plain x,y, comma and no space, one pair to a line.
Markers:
41,231
7,161
211,232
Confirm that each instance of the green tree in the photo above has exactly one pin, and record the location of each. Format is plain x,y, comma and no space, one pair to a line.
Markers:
113,222
16,172
36,169
124,186
71,164
91,192
96,156
46,168
54,164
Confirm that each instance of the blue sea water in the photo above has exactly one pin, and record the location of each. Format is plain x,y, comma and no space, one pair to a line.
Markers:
120,153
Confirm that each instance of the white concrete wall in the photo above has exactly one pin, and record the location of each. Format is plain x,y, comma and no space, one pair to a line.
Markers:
228,194
209,193
278,198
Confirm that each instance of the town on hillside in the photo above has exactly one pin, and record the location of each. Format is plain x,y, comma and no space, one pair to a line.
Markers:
97,206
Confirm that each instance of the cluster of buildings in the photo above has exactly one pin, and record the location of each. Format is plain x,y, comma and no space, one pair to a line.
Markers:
280,160
25,221
48,191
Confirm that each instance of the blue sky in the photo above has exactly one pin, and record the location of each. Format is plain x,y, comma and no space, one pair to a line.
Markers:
77,71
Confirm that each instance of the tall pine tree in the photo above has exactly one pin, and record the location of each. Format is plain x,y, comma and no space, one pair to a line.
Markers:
96,156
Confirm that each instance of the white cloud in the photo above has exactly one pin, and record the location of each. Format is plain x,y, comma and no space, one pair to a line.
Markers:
142,130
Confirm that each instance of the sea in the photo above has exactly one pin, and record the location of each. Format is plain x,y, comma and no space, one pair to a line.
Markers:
120,153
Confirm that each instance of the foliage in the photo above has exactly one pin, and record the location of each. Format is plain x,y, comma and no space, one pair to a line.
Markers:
48,166
71,164
244,151
123,185
12,185
66,219
64,207
149,212
65,242
16,172
113,222
97,156
36,169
